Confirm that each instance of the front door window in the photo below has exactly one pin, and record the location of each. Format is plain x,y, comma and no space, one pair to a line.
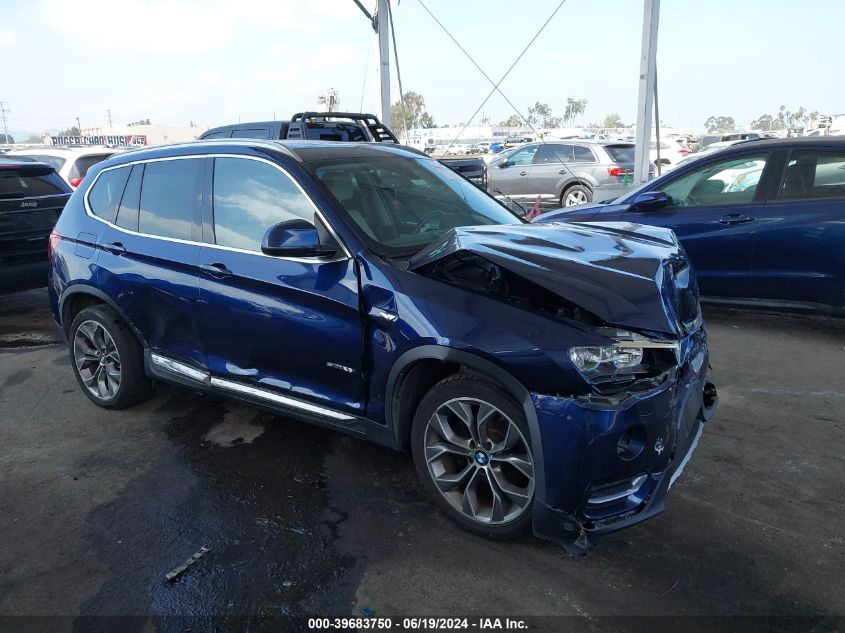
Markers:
729,182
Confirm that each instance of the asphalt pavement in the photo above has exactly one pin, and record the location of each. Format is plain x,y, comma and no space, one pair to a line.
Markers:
97,506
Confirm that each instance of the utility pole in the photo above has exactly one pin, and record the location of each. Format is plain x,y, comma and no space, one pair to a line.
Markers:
109,113
3,112
384,59
645,99
79,126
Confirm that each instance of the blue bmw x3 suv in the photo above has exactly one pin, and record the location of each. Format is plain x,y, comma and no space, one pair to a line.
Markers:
547,376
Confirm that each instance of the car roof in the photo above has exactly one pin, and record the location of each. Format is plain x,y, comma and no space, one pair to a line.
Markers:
837,142
64,151
7,162
300,150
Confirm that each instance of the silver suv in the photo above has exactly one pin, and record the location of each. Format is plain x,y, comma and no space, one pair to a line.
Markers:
563,173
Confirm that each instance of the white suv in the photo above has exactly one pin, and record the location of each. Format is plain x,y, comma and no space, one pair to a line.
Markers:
72,163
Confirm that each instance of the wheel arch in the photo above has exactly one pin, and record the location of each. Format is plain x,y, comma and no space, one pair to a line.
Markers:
402,395
80,296
573,182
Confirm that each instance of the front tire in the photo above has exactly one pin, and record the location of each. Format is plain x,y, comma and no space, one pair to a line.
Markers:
107,359
472,451
576,194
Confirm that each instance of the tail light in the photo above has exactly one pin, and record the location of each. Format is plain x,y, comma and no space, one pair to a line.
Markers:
74,182
616,171
683,151
52,243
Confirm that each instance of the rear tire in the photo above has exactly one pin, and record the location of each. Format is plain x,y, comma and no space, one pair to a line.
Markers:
576,194
107,359
472,451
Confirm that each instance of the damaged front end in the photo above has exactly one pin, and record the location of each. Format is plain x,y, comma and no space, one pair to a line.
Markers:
619,433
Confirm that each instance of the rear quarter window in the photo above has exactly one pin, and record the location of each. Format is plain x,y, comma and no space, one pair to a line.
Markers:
30,182
620,153
106,193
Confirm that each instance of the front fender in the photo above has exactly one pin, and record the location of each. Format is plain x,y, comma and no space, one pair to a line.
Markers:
482,366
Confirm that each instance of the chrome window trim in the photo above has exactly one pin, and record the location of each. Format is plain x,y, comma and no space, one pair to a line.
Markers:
308,260
238,387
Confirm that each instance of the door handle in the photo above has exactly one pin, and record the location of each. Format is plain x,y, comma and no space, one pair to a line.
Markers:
562,172
217,270
736,218
523,173
115,248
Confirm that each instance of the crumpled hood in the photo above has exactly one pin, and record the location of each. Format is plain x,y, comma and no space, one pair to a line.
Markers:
626,274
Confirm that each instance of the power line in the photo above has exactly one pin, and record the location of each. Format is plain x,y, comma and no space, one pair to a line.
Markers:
398,74
486,76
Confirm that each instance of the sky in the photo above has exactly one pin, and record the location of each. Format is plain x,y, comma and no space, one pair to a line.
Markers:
217,61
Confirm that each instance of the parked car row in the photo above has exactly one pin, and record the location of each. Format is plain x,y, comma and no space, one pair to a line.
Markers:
763,221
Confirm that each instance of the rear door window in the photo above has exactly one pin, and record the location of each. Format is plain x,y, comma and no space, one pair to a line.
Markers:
814,175
251,196
170,197
106,193
217,135
30,182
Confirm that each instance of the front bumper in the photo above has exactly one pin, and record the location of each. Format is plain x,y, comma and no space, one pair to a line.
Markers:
608,464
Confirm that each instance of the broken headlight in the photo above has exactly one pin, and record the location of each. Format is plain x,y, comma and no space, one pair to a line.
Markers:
629,359
610,357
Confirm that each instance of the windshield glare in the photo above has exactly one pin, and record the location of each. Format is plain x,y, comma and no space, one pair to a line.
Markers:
403,204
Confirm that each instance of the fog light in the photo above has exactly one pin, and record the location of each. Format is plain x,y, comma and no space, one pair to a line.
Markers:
631,443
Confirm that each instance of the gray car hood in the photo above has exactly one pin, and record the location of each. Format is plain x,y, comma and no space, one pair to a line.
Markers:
626,274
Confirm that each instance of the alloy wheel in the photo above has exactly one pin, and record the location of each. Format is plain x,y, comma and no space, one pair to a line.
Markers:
479,460
575,197
97,360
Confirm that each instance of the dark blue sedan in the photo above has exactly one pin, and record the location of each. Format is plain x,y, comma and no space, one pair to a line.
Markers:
762,221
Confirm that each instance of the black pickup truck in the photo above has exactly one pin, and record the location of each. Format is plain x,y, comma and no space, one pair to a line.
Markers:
32,195
338,126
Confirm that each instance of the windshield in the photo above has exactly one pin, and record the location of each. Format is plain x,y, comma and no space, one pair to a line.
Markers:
402,204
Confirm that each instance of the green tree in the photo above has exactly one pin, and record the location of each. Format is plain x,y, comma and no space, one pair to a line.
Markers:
574,107
764,122
71,131
720,124
512,121
34,138
539,113
613,120
413,115
6,138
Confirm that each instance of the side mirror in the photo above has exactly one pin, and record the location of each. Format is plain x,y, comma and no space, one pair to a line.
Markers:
651,201
293,238
504,163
